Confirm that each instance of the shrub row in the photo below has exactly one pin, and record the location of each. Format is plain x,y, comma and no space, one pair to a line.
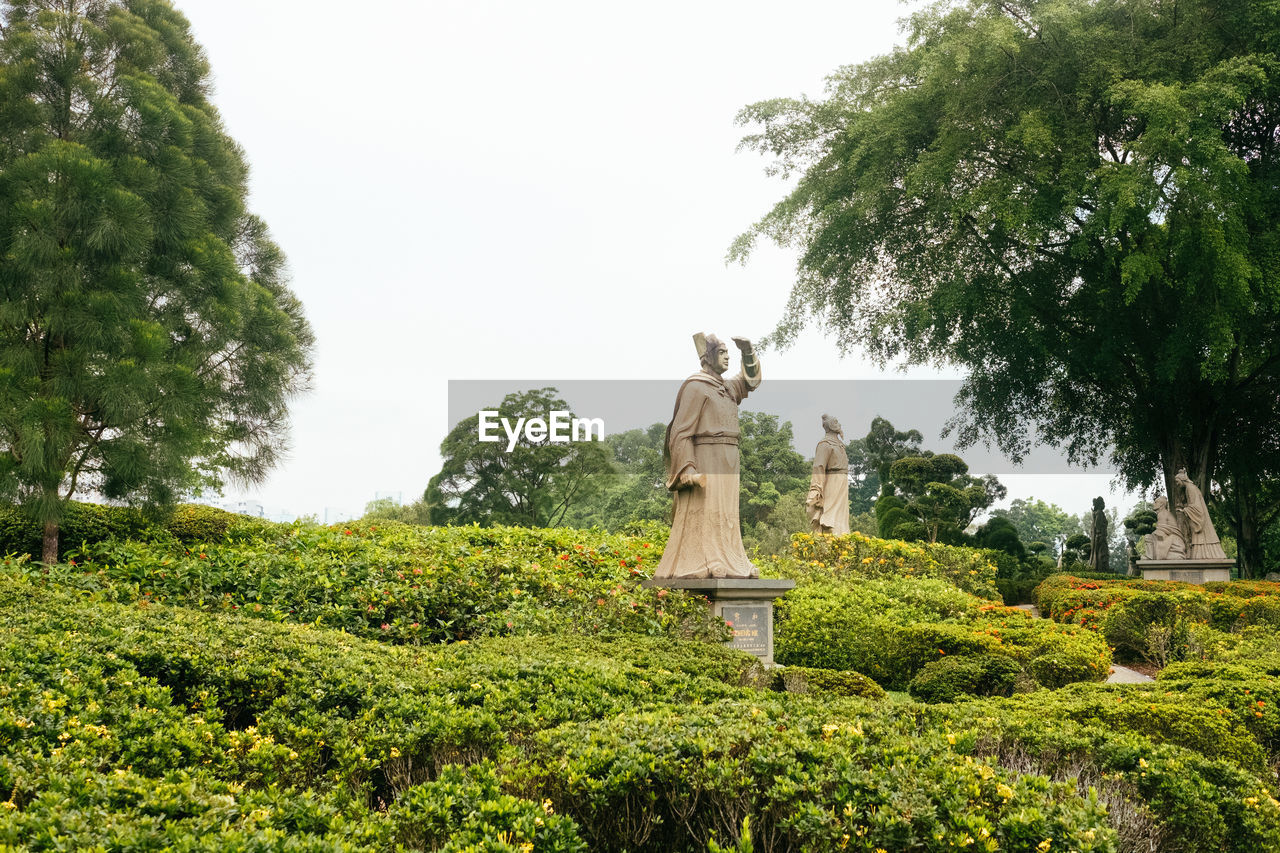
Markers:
822,557
891,630
395,582
85,523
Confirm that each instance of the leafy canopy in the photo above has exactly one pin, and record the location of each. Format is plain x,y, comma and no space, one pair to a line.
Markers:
1076,201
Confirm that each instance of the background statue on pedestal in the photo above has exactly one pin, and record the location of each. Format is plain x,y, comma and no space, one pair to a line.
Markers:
828,501
1166,541
1201,537
1099,549
701,453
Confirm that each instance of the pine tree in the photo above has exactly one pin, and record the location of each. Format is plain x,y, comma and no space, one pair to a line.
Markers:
148,340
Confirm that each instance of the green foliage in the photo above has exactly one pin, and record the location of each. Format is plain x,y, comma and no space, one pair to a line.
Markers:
131,721
810,777
939,497
1037,521
388,509
466,806
533,485
1154,625
827,682
636,492
148,340
1081,174
999,534
769,467
401,583
953,678
891,629
84,523
825,557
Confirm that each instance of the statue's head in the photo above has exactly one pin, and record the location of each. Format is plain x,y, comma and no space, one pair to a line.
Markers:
1160,502
716,355
1181,476
831,424
1099,504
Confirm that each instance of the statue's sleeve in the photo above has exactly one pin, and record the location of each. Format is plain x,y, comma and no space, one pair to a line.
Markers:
821,460
684,423
741,385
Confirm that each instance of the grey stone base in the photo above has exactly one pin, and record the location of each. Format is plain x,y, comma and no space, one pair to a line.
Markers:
746,604
1187,571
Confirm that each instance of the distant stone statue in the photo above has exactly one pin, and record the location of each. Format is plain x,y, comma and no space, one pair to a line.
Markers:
701,453
1166,542
828,501
1099,550
1202,539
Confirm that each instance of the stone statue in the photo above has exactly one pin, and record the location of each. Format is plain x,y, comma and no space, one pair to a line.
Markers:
828,501
1166,542
702,467
1099,550
1201,537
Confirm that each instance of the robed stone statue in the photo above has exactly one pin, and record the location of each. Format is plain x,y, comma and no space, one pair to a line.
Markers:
1099,548
828,500
701,453
1202,539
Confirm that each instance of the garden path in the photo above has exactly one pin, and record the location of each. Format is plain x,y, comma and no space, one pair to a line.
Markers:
1119,674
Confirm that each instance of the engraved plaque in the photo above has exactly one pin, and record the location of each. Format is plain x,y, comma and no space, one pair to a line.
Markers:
1187,575
751,625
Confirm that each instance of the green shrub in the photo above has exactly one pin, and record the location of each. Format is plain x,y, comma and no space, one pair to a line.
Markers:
1262,610
809,777
822,557
1155,626
828,682
395,582
953,678
466,806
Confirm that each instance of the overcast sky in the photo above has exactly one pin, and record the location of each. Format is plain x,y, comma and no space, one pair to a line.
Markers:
523,191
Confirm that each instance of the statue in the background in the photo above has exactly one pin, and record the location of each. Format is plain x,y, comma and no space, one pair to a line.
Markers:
1099,550
701,453
828,501
1202,539
1166,541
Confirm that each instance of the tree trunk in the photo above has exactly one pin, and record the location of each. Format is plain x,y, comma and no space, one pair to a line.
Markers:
1248,548
49,553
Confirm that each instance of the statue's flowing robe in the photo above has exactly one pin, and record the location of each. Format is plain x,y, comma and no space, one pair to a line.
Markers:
706,541
1203,542
831,483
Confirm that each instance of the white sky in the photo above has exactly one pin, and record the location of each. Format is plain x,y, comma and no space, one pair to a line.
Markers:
491,190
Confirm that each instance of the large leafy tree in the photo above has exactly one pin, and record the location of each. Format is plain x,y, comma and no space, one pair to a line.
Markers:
534,484
148,341
769,466
1078,202
871,456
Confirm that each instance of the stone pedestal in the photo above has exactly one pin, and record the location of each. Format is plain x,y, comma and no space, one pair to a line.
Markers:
1187,571
745,603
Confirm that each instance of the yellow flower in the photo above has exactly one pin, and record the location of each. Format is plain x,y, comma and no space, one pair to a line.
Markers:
1043,846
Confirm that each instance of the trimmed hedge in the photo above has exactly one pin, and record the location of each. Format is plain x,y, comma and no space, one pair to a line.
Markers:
819,557
826,682
879,629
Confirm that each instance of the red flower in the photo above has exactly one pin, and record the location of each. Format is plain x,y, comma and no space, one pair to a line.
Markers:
386,627
346,533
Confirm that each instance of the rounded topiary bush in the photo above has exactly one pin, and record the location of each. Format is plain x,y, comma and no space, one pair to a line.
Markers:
953,678
827,682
